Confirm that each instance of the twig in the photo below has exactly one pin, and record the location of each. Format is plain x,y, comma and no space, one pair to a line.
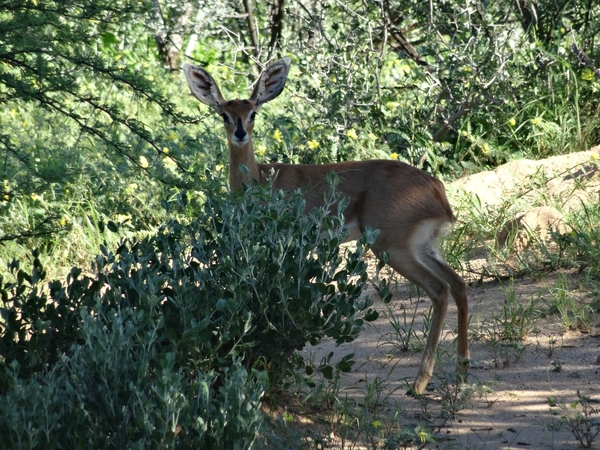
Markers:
584,59
251,27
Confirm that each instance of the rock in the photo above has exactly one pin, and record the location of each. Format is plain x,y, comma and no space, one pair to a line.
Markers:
535,223
569,180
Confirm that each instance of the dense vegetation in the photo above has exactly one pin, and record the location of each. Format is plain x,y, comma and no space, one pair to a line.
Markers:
106,159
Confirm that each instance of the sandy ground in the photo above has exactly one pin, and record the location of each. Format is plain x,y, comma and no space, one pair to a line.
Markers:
516,413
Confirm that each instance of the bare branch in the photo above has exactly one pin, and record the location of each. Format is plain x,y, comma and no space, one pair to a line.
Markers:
584,59
276,27
448,124
251,28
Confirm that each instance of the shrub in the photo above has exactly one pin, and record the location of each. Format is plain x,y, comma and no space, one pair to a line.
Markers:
171,340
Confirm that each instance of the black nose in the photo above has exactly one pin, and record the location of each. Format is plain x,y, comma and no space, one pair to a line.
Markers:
240,133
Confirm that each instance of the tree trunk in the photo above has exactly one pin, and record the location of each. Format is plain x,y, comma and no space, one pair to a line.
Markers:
276,27
252,28
170,35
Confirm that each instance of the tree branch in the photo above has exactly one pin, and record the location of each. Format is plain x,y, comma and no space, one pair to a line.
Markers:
464,109
276,27
584,59
397,35
251,27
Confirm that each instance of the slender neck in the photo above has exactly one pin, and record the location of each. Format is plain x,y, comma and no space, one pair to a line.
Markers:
239,155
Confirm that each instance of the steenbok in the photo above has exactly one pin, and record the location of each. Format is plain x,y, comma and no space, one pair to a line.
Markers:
407,206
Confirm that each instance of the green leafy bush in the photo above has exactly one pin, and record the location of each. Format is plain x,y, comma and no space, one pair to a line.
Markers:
119,389
172,339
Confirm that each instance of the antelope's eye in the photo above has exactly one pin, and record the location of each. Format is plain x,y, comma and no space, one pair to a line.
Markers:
225,118
253,116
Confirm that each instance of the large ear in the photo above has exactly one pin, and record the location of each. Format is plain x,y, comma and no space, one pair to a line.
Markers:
203,86
271,82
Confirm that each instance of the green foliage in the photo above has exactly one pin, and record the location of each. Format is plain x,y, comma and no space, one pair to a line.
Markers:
581,418
119,388
171,339
93,124
516,320
406,335
581,244
443,85
573,314
83,125
506,330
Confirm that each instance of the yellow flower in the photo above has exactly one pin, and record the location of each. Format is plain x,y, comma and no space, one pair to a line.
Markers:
595,156
6,197
351,133
165,150
372,136
587,74
144,162
486,148
392,105
261,149
512,121
169,162
63,221
35,197
312,144
537,121
422,436
122,218
394,155
277,136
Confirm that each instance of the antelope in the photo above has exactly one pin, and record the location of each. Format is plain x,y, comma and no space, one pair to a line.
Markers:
407,205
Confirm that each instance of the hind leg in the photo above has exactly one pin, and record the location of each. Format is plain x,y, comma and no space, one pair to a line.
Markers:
438,290
458,290
459,293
